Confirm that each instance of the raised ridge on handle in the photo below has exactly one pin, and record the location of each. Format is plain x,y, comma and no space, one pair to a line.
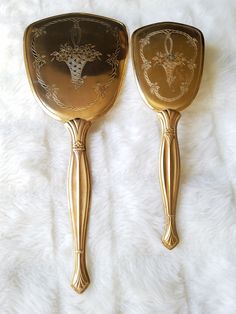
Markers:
79,189
169,173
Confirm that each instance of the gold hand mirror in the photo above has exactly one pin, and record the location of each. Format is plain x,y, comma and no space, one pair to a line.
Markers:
75,65
168,61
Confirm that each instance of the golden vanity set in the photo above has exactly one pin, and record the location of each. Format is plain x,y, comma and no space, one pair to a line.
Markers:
75,64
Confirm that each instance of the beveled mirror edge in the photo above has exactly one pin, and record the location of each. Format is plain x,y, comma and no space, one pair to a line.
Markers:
25,54
133,60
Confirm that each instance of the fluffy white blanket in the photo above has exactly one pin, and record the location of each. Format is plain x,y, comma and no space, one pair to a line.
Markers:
131,272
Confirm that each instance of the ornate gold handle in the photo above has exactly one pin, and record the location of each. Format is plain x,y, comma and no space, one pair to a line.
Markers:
169,173
79,199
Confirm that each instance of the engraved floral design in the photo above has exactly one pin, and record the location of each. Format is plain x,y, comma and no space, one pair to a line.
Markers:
76,58
170,60
66,51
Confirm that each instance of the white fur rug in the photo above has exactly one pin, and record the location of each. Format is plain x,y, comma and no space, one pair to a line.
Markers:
131,272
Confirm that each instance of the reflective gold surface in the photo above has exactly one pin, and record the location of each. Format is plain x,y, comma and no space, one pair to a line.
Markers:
75,64
168,62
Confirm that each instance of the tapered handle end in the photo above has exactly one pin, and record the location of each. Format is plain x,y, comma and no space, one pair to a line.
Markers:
80,283
80,280
170,238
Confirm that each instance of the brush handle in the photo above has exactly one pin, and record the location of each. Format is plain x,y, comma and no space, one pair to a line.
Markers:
169,173
79,198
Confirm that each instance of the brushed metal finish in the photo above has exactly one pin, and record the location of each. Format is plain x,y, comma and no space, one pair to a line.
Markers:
75,64
168,62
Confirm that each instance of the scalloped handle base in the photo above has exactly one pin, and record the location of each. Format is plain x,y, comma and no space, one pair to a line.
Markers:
170,238
80,280
80,284
171,242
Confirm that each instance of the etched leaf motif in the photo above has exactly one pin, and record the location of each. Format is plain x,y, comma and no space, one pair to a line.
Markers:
38,32
144,41
154,88
112,60
146,65
39,61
